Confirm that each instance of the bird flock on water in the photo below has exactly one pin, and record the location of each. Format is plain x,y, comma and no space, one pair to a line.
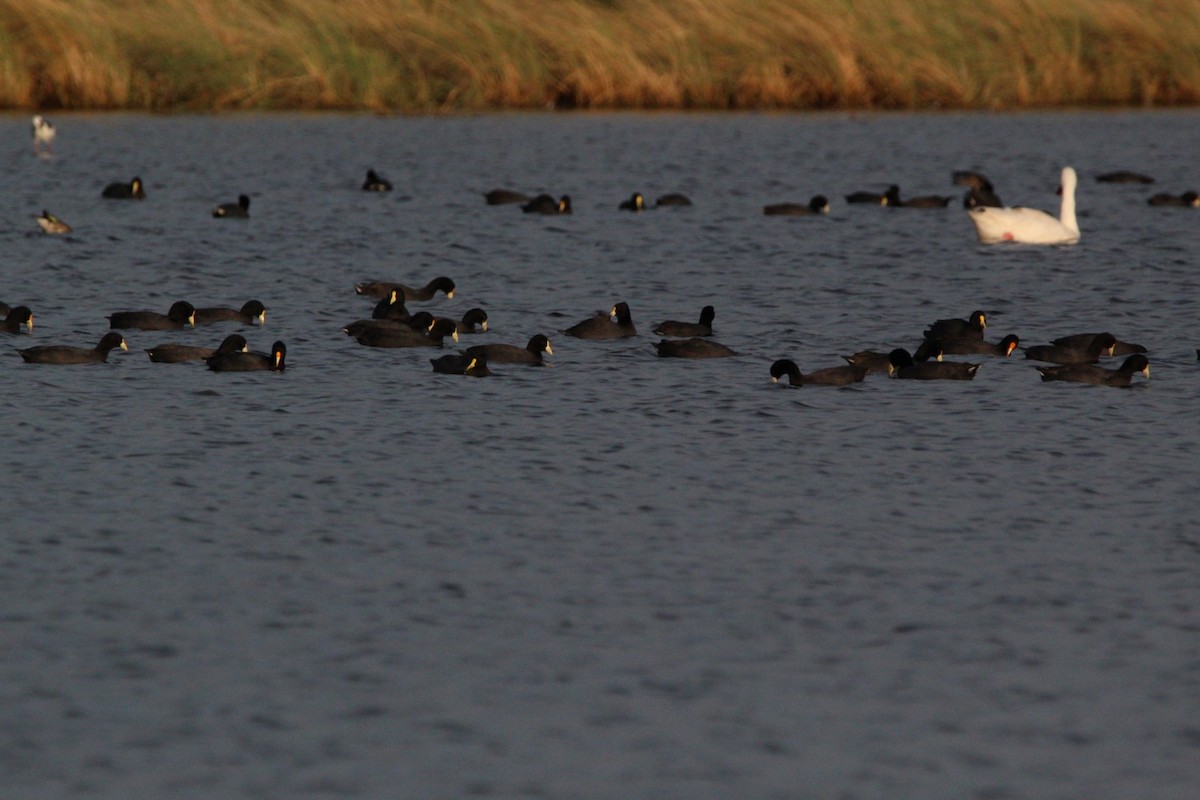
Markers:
1074,358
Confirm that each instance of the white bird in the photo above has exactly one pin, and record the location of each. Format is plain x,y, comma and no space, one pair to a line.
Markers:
1029,225
43,133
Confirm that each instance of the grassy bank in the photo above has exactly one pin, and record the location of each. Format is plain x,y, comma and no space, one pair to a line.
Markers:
436,55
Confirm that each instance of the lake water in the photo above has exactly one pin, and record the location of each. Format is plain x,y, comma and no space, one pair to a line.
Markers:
622,576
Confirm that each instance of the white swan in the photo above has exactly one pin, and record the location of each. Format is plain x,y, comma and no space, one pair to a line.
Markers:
1029,225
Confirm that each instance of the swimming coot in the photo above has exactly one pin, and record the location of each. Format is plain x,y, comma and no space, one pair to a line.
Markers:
500,197
970,328
14,318
545,204
1101,345
125,191
602,326
702,328
903,366
240,361
695,347
1095,374
66,354
252,312
238,210
819,204
374,183
1186,200
673,199
827,376
635,203
531,353
382,289
475,366
180,314
173,353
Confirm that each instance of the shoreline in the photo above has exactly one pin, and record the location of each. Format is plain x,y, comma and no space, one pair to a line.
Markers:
412,57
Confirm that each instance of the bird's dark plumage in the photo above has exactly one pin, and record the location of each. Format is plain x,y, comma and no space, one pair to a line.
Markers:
828,376
695,347
252,312
381,289
1097,375
454,364
512,354
239,361
602,326
903,366
819,204
374,183
174,353
545,204
1101,345
125,191
14,318
971,328
66,354
180,314
238,210
676,328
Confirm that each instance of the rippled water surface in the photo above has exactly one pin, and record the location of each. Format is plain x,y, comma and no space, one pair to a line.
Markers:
621,576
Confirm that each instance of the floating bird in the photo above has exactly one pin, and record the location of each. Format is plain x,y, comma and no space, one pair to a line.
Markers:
1030,225
602,326
238,210
1094,374
970,328
981,192
52,224
500,197
702,328
43,135
125,191
1081,341
870,360
252,312
695,347
512,354
635,203
475,366
388,334
173,353
179,314
374,183
819,204
872,198
1123,176
66,354
977,347
545,204
1101,345
828,376
14,318
673,199
241,361
903,366
1186,200
474,321
391,307
892,195
411,294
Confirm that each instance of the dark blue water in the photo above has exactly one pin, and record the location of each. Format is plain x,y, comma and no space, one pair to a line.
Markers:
621,576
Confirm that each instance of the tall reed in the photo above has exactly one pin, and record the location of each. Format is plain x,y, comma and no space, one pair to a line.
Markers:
435,55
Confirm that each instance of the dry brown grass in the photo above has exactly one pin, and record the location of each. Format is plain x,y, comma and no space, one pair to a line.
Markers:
435,55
